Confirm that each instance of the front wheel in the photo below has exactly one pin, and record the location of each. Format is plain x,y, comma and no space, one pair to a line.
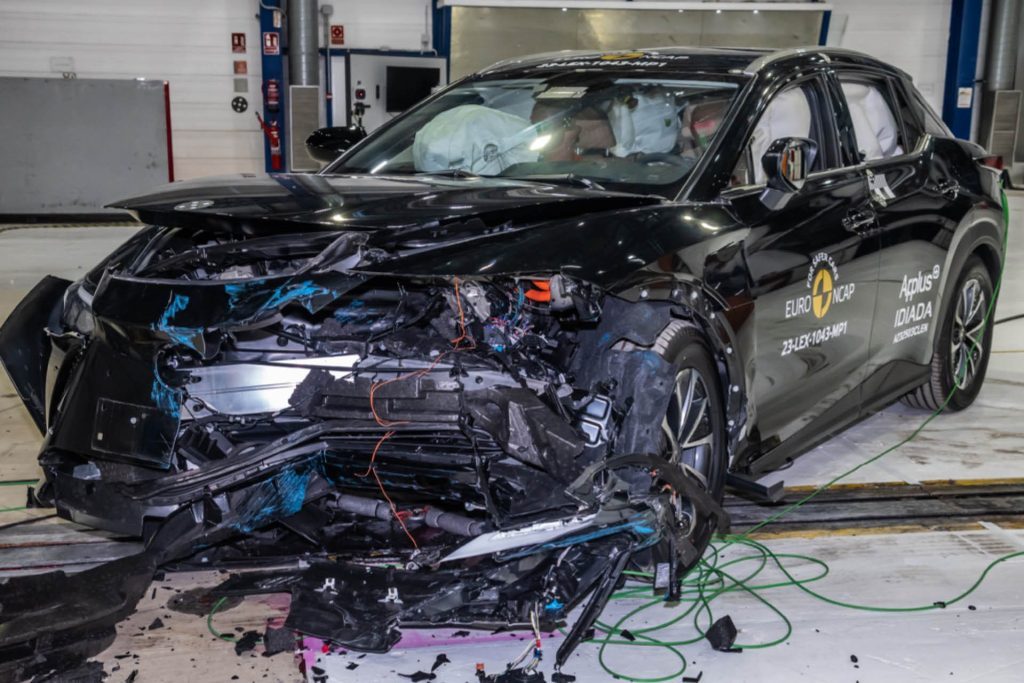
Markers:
963,345
692,432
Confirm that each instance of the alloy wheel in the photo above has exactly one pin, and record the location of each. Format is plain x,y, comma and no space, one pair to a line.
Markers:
687,425
966,347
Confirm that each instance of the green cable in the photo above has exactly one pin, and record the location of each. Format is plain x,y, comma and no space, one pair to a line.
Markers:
709,575
209,622
22,482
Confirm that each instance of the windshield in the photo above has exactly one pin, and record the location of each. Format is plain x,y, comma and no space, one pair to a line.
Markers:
639,133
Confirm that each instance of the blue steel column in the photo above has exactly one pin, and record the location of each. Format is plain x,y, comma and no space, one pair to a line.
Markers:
961,64
442,30
273,68
826,19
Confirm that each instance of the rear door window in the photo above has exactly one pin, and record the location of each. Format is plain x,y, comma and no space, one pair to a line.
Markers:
875,124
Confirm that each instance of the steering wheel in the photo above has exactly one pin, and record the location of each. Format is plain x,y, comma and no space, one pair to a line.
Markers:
668,159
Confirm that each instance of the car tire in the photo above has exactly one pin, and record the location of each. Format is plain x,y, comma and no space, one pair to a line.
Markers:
958,367
684,348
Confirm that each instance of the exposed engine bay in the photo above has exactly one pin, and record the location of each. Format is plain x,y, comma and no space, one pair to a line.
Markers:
475,451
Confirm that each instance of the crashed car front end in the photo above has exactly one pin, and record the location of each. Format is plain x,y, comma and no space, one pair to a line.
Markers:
463,447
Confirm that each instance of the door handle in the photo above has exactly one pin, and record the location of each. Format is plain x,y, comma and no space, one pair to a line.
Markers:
859,222
949,189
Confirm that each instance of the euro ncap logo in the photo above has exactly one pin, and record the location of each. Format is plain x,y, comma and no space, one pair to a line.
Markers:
821,293
616,56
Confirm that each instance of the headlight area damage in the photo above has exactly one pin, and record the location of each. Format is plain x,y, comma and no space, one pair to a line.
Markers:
435,450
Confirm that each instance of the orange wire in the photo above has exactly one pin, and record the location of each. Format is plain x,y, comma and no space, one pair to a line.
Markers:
394,510
373,456
384,422
462,316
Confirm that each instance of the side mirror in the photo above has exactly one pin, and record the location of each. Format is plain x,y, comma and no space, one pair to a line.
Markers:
786,164
327,144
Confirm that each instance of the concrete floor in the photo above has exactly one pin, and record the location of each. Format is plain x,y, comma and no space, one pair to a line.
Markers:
976,639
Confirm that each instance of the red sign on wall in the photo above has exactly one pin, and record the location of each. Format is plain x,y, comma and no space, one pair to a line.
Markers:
238,43
271,43
337,34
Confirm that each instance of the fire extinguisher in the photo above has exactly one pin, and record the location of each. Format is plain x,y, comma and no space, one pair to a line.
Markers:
272,94
274,137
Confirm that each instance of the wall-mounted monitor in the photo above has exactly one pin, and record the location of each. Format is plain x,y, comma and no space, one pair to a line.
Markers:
407,85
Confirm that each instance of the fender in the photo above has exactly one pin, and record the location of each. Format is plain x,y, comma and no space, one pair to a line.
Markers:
704,307
980,231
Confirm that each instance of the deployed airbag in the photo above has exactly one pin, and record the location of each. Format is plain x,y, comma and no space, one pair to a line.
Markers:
473,138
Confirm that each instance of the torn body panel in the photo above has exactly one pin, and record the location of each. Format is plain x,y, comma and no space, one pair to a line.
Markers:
303,394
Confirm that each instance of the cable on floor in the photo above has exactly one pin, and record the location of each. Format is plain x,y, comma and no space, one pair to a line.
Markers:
710,579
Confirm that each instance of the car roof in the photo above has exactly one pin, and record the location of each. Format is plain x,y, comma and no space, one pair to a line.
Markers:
749,61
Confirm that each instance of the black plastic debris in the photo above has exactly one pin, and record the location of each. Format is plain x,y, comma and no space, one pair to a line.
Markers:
693,679
441,660
420,676
722,635
559,677
277,640
157,623
89,672
246,642
352,666
853,658
199,601
517,676
625,633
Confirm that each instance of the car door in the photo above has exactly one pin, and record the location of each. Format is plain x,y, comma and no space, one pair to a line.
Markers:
813,268
911,195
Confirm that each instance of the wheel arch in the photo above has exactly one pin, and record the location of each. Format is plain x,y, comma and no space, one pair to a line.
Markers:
688,299
981,234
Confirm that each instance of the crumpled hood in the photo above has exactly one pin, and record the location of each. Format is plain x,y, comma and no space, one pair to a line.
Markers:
394,206
438,226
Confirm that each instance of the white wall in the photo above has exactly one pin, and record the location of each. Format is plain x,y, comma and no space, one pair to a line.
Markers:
911,34
377,24
185,42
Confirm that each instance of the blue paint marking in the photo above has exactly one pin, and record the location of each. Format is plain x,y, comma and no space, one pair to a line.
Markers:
165,398
238,291
240,294
179,302
555,604
278,497
302,292
180,335
353,312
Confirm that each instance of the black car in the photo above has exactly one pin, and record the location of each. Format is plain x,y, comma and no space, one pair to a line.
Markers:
511,343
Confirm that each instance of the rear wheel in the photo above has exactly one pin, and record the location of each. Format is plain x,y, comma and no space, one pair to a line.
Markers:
963,345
